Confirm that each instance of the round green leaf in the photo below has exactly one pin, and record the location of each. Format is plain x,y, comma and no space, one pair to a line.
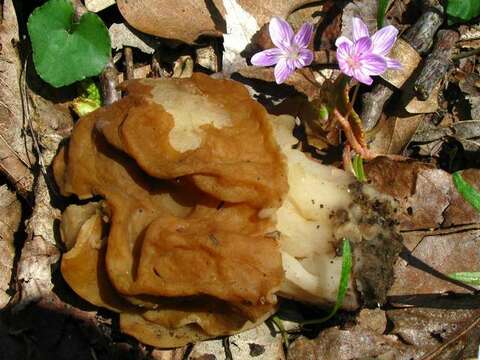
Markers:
64,51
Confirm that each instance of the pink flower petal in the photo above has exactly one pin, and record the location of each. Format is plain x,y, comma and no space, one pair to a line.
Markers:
343,39
362,77
372,64
343,54
343,51
384,39
304,35
362,46
267,57
281,33
283,70
305,58
360,30
393,64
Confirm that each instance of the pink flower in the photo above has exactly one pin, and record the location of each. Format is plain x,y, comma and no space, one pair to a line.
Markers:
366,56
291,50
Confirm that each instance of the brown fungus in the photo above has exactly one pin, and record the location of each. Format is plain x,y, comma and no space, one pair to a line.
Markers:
208,212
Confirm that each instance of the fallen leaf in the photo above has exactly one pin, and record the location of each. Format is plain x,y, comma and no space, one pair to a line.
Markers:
121,35
98,5
427,196
394,134
297,80
417,106
15,148
51,124
430,328
10,213
241,345
351,343
447,251
209,17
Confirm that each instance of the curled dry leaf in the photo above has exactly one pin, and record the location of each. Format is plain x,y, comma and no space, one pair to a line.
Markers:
186,20
394,134
16,155
10,213
51,124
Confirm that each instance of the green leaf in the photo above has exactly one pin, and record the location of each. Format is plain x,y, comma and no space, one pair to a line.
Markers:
472,278
467,191
323,112
64,51
358,170
462,10
342,286
381,11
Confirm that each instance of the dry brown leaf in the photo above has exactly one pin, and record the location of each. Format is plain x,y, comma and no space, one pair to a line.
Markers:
51,124
427,196
186,20
266,345
448,251
416,106
356,342
297,80
430,328
394,134
10,215
15,148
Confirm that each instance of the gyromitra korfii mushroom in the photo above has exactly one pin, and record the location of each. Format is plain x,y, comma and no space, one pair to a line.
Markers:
208,213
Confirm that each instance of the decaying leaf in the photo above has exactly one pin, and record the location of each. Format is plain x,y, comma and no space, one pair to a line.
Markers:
466,132
51,124
417,106
430,328
16,155
186,20
354,342
258,343
298,80
394,134
10,214
447,251
427,196
121,35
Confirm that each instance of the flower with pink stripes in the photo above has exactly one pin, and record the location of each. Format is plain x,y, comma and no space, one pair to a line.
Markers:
291,50
366,55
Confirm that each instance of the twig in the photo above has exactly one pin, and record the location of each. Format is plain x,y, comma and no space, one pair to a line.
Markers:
466,54
420,37
128,56
109,83
434,354
226,346
437,63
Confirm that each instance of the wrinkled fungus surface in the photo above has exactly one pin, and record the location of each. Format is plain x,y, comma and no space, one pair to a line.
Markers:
209,211
180,245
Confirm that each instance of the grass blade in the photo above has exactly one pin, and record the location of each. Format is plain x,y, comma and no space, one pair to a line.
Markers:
381,11
357,164
467,191
472,278
343,285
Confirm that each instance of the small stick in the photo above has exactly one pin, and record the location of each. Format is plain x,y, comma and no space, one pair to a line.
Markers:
109,83
420,37
373,103
128,54
437,63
